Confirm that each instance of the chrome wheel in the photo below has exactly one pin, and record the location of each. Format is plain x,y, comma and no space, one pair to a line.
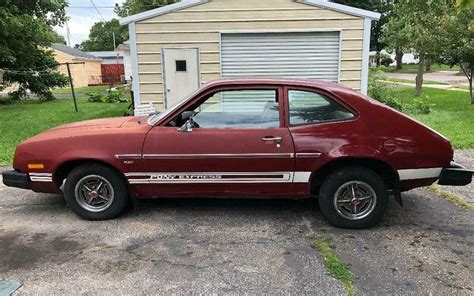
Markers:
94,193
355,200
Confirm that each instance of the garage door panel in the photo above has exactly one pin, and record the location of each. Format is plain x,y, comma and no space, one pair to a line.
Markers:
312,55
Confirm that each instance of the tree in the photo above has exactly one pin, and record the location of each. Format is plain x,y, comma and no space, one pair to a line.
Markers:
465,4
101,36
25,35
383,7
130,7
420,26
459,50
56,37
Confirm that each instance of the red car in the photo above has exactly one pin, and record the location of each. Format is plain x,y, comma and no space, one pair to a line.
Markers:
245,138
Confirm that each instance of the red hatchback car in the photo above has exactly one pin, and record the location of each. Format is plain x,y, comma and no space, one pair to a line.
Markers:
246,138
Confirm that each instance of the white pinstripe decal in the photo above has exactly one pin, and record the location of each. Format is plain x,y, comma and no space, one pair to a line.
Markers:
218,177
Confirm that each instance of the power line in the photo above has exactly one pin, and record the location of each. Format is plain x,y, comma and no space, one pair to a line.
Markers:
40,69
89,7
31,68
100,14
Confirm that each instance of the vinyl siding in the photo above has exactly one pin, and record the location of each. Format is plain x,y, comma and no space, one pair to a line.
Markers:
199,26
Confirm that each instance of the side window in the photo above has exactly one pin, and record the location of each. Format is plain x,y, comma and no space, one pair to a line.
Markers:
239,109
310,107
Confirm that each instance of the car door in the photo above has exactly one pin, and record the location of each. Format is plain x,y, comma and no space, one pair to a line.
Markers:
237,147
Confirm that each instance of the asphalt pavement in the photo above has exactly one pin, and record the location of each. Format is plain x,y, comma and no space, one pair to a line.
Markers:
232,246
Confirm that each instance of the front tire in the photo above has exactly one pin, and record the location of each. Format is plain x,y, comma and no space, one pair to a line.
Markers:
353,197
96,192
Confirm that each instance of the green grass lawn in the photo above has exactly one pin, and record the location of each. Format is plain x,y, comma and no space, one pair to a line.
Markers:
25,119
452,114
414,68
82,90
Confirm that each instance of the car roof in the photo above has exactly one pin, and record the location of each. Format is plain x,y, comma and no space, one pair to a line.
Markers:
278,81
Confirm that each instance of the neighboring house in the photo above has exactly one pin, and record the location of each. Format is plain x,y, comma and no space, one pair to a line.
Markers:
127,62
108,57
176,48
88,73
112,67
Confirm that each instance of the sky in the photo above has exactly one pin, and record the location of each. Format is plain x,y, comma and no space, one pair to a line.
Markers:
83,15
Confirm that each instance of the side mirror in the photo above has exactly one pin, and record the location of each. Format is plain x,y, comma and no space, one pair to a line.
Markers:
189,125
186,127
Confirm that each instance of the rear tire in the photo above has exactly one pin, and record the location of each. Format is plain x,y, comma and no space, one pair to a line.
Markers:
353,197
96,192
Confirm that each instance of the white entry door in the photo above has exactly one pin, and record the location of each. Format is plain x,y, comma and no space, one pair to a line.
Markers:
180,72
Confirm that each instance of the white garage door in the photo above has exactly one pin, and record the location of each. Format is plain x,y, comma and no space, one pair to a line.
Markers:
312,55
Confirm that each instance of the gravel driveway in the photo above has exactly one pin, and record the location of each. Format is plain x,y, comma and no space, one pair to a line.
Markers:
232,246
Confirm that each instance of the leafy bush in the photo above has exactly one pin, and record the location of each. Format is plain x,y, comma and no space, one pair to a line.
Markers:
116,97
95,97
418,106
385,59
6,100
379,90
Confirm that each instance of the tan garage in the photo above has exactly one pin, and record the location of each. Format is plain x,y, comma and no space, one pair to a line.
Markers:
86,71
176,48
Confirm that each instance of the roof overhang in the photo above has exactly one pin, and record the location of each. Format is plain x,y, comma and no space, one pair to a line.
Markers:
190,3
160,11
342,8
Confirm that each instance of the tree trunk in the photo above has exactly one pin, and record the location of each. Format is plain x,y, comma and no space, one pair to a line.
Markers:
399,58
377,58
428,67
470,90
419,76
466,69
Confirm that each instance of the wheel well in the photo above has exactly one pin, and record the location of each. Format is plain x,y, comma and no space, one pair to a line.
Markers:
384,170
64,169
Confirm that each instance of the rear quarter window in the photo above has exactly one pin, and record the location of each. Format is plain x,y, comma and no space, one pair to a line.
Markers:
307,107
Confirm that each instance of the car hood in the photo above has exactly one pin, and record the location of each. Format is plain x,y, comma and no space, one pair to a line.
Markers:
98,123
89,127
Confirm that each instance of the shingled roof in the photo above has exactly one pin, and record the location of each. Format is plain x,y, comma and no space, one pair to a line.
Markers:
73,51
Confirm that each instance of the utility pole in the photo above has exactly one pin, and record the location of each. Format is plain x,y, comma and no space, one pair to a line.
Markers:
68,34
72,86
113,36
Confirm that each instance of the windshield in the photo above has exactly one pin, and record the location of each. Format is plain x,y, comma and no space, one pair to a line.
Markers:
158,117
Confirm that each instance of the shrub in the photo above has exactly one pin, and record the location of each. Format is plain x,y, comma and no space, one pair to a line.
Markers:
116,97
95,98
6,100
418,106
385,59
379,90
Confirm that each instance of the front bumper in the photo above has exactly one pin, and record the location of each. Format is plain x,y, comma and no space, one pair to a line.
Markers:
456,175
16,179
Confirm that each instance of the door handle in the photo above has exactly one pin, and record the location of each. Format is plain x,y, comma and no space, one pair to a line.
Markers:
272,139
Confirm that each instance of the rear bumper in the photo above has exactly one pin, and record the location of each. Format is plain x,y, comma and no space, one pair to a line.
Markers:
456,175
16,179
